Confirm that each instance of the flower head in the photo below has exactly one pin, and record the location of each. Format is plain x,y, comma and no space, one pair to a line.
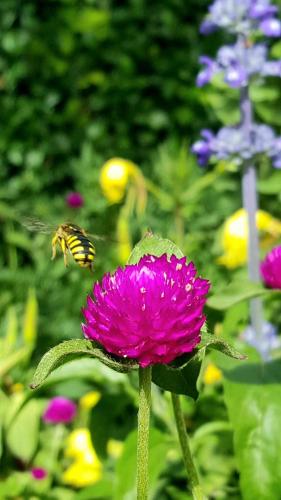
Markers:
59,410
114,177
151,311
89,400
235,236
75,200
38,473
212,374
86,468
271,268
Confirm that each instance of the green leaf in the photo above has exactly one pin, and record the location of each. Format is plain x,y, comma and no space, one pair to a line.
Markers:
181,375
270,185
71,349
153,245
126,466
23,434
252,395
235,292
179,381
101,490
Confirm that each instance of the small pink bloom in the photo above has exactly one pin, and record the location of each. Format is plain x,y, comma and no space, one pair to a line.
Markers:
151,311
271,268
59,410
75,200
39,473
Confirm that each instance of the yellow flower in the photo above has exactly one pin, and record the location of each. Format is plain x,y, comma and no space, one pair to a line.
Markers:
114,448
114,177
17,387
89,400
86,468
81,474
212,374
235,236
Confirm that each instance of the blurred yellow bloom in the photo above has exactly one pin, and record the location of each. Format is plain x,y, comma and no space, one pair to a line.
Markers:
114,177
235,236
212,374
17,387
86,468
114,448
81,474
89,400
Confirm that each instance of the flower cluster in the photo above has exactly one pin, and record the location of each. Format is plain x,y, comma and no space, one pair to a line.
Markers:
237,63
242,16
151,311
233,144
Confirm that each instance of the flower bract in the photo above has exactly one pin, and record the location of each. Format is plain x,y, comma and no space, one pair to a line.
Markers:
151,311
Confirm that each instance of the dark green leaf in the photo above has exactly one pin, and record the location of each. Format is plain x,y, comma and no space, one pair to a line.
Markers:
153,245
71,349
179,381
252,394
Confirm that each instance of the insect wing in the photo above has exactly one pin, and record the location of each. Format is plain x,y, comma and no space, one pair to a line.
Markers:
36,225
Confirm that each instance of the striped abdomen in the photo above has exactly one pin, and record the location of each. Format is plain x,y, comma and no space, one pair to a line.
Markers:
82,249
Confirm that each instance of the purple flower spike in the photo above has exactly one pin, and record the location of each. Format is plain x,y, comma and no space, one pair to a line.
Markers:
271,268
151,311
39,473
75,200
271,27
59,410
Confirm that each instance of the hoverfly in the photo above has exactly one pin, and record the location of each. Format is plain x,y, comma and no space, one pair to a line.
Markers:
70,237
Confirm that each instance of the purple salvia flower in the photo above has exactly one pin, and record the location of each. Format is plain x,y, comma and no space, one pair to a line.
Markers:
151,311
205,75
261,9
202,148
59,410
236,76
207,27
271,27
271,268
268,341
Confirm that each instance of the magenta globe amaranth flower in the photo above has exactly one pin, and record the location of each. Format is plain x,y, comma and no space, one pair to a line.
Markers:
271,268
151,311
75,200
59,410
39,473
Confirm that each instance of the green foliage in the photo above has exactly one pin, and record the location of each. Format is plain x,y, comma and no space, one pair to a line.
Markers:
255,390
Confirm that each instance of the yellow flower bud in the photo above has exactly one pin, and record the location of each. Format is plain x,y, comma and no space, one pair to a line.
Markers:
89,400
79,445
114,448
81,473
212,374
235,236
114,177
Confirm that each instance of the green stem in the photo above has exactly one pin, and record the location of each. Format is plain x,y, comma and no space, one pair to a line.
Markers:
191,471
143,432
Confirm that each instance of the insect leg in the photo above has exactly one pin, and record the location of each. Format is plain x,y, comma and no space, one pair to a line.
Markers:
54,245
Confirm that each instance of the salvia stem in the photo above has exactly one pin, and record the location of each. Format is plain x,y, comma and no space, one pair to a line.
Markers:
143,432
191,471
250,203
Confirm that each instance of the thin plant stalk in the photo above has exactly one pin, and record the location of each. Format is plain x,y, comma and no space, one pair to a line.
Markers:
143,432
191,471
250,203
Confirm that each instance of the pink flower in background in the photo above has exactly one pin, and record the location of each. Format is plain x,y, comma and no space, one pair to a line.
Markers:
151,311
75,200
271,268
59,410
39,473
